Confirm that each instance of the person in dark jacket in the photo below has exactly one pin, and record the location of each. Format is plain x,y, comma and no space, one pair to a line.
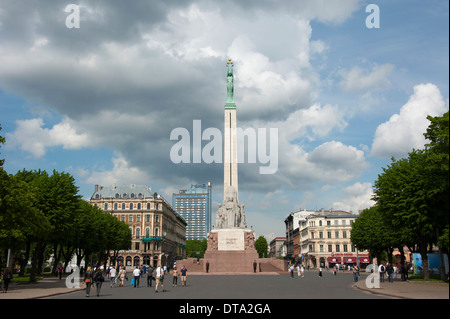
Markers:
98,280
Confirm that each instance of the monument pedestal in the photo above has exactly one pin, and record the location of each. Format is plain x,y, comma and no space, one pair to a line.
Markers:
231,250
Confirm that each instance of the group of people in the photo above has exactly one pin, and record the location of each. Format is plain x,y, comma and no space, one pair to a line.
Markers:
96,279
300,270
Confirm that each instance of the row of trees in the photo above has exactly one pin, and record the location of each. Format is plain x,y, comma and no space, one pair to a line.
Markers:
42,216
412,204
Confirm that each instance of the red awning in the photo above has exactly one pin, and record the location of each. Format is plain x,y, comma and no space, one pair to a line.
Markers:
334,260
350,259
364,260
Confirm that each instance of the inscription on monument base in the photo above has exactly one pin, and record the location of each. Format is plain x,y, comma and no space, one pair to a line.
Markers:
230,239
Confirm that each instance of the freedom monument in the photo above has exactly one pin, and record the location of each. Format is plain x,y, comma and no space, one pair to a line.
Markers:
231,245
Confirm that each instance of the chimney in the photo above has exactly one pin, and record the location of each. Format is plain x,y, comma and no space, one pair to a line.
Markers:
96,188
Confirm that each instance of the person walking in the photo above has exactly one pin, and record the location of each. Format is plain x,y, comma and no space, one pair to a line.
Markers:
149,276
7,277
122,275
137,275
381,270
183,276
320,271
159,278
335,269
88,280
207,266
390,272
355,272
112,276
98,280
175,275
60,271
302,270
291,270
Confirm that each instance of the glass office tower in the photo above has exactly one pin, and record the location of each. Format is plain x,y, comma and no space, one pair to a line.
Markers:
194,205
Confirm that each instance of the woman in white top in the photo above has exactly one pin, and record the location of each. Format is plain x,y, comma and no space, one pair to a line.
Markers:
159,278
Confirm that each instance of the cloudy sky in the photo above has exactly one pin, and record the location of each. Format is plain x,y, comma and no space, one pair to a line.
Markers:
100,101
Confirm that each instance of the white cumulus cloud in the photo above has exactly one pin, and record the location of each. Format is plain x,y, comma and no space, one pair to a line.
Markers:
404,131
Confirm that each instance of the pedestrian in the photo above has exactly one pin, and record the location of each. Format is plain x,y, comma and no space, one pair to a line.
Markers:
122,275
355,272
88,279
136,274
298,270
159,278
381,270
183,276
254,266
175,275
291,270
335,270
150,276
320,271
390,272
112,275
60,271
7,277
302,270
98,279
207,266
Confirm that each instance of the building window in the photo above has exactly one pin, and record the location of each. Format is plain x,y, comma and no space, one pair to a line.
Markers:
138,218
330,248
138,205
344,234
156,232
338,248
147,218
131,205
125,195
321,234
130,218
147,232
97,196
132,195
106,206
136,246
138,232
329,234
328,222
140,195
123,205
321,248
148,205
117,195
336,234
336,222
345,248
320,223
115,206
122,218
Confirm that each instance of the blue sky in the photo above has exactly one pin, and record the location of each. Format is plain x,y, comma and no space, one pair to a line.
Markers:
101,101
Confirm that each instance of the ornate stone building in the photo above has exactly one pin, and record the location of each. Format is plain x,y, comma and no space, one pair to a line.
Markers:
324,240
158,231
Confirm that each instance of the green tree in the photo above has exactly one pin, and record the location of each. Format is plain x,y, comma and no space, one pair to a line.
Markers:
261,247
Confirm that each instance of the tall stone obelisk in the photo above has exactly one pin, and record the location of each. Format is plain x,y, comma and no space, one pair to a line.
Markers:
230,172
231,245
230,214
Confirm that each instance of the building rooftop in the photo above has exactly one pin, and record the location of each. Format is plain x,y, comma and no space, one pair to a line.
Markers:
123,191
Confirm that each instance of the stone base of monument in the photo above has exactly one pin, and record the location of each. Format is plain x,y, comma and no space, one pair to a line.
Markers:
231,250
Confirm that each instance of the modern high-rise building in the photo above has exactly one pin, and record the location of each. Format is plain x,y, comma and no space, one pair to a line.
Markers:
194,205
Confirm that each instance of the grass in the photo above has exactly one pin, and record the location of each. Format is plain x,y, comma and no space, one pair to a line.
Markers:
433,277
